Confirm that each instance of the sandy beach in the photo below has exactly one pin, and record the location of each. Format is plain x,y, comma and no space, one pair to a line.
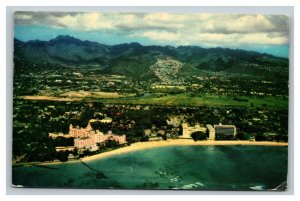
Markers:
153,144
176,142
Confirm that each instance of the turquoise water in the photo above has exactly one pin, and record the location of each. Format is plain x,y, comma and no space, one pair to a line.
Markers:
184,167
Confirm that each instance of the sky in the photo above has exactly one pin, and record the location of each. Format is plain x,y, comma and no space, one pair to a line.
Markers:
256,32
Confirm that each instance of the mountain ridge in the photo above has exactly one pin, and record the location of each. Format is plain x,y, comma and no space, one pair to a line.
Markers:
134,59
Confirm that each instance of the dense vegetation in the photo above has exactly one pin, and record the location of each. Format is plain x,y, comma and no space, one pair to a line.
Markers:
34,120
140,87
134,59
197,136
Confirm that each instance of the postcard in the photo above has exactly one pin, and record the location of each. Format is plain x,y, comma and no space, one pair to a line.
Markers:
150,101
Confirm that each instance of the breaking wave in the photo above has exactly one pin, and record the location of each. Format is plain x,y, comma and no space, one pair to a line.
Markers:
257,188
196,185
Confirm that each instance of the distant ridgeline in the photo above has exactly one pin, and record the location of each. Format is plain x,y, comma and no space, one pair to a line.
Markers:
143,62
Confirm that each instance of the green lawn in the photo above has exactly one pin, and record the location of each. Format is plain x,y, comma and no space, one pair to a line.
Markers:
211,100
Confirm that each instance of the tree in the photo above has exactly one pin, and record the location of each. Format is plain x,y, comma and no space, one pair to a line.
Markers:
243,136
111,144
62,156
198,136
145,138
41,152
75,152
85,116
260,137
62,141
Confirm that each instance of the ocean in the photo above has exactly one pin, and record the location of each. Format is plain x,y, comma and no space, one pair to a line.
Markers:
237,167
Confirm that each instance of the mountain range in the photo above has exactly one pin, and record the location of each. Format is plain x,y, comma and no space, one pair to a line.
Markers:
134,59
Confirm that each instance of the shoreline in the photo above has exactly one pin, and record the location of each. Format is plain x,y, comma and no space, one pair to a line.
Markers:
176,142
138,146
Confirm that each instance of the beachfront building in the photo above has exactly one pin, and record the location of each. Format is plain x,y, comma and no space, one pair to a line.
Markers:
98,137
219,131
78,132
188,130
121,139
211,132
88,138
65,148
225,131
83,142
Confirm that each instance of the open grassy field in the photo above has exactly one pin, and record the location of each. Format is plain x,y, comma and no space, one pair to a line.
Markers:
185,100
179,100
83,94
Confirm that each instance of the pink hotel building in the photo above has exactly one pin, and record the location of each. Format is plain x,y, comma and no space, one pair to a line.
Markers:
86,137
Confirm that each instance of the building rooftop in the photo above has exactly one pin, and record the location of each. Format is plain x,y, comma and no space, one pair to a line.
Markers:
224,126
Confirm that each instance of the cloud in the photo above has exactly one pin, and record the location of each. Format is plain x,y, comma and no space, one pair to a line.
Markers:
23,17
160,35
83,21
215,39
241,24
178,29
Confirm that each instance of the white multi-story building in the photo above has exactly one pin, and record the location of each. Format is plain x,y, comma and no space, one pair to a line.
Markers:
228,130
188,130
211,132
